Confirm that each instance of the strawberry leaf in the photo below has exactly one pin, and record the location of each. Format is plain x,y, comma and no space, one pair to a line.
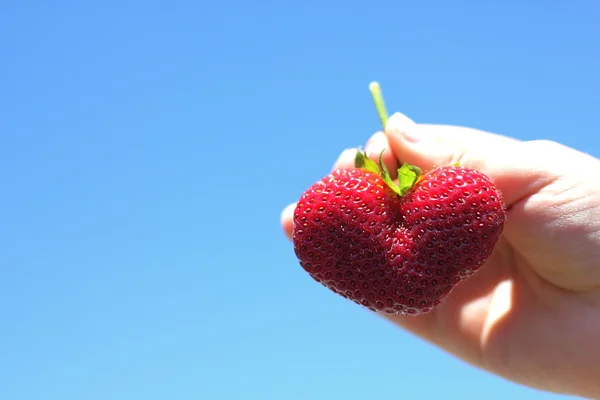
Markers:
407,177
382,166
362,161
385,175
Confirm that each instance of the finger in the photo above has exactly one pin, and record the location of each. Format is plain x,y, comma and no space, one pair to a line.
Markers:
345,160
508,162
287,220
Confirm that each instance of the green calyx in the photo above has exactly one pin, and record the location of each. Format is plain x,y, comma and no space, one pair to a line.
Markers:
408,175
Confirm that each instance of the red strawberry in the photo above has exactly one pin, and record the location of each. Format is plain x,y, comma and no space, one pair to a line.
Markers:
397,248
391,251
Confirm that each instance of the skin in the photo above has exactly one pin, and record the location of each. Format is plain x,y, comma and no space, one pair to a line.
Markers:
532,312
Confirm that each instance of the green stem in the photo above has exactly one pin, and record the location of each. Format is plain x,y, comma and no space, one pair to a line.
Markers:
379,103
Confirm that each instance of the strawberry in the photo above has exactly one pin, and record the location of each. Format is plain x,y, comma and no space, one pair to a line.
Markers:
397,248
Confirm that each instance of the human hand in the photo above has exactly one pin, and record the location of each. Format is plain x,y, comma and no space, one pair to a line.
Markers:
531,314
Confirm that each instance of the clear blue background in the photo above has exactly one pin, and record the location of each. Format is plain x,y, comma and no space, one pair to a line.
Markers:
147,148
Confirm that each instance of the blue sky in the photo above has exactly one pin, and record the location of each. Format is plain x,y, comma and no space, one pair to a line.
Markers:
147,149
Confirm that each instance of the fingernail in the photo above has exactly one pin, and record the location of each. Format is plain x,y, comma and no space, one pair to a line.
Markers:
400,124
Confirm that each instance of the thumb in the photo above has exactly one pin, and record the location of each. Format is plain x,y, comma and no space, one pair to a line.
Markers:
507,161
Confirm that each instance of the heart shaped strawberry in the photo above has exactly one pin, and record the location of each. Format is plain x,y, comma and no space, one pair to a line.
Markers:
400,247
